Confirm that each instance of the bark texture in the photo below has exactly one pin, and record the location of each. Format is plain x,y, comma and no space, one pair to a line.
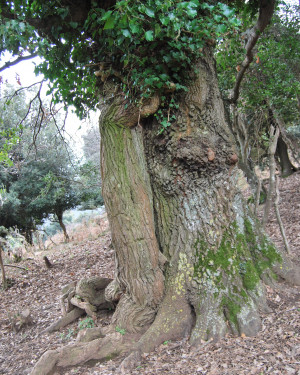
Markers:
200,216
127,193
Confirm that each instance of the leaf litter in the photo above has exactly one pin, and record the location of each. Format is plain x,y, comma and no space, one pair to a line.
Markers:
274,350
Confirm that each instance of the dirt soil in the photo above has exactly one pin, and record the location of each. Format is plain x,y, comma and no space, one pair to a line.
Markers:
275,350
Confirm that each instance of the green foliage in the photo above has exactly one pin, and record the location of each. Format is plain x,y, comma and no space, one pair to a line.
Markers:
66,337
9,140
86,323
39,179
157,42
89,189
152,45
272,80
273,77
122,331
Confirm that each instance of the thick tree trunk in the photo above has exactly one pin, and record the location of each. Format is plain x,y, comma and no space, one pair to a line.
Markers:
187,211
190,258
202,225
129,204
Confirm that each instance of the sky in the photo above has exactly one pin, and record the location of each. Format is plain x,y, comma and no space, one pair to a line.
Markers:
25,71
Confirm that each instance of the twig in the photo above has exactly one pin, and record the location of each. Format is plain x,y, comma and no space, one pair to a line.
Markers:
13,266
4,282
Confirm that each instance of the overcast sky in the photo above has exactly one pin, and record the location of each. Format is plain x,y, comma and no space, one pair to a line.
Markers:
25,71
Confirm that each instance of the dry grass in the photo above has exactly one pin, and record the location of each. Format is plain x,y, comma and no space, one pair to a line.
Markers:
89,229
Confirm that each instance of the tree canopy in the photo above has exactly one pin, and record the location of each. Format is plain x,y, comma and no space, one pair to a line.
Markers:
146,46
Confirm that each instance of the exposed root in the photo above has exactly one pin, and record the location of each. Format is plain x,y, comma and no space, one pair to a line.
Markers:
288,271
174,320
131,316
73,354
86,296
65,320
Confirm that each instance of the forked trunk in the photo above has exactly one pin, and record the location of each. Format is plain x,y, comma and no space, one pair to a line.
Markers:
287,167
189,212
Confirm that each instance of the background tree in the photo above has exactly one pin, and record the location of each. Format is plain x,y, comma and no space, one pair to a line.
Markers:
39,180
190,257
89,189
269,92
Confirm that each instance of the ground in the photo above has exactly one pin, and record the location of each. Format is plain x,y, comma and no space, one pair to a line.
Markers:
275,350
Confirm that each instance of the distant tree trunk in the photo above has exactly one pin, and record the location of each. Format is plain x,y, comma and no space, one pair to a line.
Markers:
59,215
287,167
274,134
241,134
4,282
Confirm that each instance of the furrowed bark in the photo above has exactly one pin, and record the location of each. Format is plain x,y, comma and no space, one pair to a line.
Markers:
128,197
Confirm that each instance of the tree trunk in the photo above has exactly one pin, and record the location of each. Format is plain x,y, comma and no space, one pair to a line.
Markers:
287,167
129,204
190,258
188,211
202,224
59,215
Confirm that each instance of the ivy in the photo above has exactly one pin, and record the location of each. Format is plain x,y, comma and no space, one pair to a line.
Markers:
151,44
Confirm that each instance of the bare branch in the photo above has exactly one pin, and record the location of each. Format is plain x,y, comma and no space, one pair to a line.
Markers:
16,61
10,97
14,266
251,37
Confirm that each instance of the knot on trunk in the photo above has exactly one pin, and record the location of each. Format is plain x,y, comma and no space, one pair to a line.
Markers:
113,292
129,115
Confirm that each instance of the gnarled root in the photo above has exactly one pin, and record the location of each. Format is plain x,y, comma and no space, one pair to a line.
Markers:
86,296
174,320
105,348
65,320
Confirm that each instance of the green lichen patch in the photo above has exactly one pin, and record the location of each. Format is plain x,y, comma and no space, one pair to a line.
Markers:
246,255
231,308
264,253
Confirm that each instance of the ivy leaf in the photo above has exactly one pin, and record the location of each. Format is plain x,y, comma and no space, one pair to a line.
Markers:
228,12
134,27
150,12
221,29
106,15
110,23
149,35
191,12
164,20
126,33
74,24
